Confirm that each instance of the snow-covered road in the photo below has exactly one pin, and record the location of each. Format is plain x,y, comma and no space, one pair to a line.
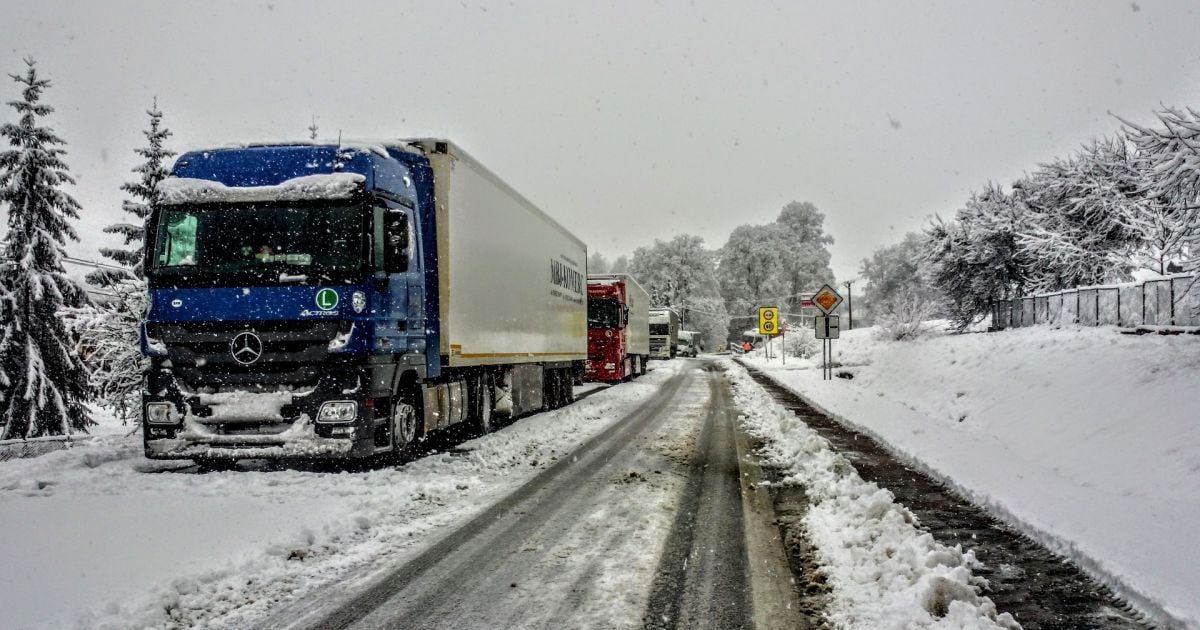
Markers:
97,536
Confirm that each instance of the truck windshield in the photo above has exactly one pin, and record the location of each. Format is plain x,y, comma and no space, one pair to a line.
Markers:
604,314
660,329
270,243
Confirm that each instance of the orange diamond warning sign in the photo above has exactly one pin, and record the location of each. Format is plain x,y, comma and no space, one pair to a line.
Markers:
826,299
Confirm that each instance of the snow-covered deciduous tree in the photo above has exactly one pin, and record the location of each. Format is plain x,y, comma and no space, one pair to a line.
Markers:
773,264
620,265
893,272
681,273
1080,217
975,258
145,195
1169,166
43,384
108,334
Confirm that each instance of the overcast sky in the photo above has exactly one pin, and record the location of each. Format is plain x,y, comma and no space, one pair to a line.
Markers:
627,121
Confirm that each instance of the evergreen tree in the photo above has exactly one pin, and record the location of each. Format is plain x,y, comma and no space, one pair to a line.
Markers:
152,171
597,263
43,385
312,129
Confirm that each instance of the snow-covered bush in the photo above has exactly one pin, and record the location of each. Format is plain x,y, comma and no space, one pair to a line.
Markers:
108,334
902,318
801,342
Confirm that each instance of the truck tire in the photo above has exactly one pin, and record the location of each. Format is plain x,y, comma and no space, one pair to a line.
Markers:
568,387
642,365
482,418
552,389
405,413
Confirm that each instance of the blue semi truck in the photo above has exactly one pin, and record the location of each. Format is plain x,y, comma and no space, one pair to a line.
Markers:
343,300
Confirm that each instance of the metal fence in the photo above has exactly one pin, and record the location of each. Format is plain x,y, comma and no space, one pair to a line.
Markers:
1162,304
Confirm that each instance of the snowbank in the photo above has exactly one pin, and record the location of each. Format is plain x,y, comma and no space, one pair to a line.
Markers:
101,537
1084,438
884,571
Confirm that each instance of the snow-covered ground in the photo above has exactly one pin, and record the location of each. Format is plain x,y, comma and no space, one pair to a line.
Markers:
1083,437
98,536
885,572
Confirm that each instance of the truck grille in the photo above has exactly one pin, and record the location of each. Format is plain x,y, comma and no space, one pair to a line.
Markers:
293,352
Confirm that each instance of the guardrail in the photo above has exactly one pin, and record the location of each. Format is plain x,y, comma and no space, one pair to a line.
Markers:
1168,304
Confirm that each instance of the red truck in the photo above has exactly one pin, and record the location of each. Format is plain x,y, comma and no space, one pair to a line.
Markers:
618,315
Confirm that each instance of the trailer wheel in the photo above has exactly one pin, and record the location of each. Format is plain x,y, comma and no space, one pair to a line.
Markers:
552,390
641,365
482,405
568,387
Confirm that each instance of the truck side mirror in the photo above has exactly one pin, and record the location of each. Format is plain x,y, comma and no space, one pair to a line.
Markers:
624,316
395,241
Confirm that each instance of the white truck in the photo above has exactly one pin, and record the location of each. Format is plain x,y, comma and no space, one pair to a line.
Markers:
664,333
689,343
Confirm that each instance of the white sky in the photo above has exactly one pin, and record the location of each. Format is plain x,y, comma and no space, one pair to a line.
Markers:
627,120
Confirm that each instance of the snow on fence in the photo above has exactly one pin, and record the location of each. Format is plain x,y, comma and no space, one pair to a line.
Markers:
33,447
1167,304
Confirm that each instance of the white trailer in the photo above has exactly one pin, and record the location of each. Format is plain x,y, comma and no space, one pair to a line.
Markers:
511,281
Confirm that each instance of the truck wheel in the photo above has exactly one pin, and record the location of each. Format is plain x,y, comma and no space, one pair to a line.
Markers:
482,406
404,423
568,387
552,390
642,366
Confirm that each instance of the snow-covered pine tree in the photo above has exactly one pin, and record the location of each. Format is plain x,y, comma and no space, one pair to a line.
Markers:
145,197
312,129
43,385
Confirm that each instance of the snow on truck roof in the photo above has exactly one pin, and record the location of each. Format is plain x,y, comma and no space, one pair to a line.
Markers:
378,147
179,190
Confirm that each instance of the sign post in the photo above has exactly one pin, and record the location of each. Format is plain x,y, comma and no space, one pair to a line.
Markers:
827,327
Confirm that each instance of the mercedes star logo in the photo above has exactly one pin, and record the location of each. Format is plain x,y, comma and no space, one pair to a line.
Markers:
246,348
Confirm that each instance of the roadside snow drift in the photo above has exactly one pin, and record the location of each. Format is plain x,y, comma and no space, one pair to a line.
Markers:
1084,438
885,572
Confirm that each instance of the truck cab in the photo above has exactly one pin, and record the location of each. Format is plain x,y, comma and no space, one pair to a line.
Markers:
664,333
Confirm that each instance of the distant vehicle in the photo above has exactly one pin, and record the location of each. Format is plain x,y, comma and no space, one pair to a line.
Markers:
664,333
341,301
689,343
618,327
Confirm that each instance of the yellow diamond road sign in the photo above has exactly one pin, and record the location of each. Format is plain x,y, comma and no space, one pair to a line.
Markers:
768,320
826,299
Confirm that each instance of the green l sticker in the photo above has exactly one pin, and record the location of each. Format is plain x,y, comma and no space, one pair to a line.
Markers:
327,299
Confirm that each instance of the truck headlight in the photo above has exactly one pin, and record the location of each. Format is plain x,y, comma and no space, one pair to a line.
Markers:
359,301
338,411
161,413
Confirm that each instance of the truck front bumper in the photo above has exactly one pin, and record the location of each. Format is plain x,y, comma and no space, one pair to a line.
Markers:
262,423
